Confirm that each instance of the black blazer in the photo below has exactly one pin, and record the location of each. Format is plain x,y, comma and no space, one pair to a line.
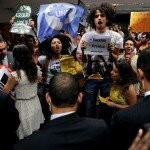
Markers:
9,122
69,132
125,124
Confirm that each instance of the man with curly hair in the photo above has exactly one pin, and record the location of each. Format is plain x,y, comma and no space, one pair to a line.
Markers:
99,75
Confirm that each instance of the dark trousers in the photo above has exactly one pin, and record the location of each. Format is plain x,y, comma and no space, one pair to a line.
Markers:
92,87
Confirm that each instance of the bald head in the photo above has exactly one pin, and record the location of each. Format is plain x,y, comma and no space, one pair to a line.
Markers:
63,90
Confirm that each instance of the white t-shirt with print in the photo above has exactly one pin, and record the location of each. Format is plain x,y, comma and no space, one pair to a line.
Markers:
53,67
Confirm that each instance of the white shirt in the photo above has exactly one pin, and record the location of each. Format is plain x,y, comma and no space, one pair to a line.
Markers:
54,116
116,39
5,61
147,93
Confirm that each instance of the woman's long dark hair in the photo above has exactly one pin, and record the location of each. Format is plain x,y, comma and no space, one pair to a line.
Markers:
66,45
23,60
127,75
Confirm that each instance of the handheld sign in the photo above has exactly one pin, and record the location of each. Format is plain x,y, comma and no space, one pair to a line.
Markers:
21,22
140,21
58,16
67,64
97,45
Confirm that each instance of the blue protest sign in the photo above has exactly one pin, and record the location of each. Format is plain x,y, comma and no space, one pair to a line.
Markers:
57,16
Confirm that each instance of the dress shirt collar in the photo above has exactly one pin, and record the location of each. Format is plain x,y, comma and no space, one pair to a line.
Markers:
54,116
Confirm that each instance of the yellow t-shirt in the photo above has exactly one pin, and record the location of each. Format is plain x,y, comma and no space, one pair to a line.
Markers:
115,97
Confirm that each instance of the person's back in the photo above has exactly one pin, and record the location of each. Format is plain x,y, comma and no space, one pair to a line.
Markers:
9,122
126,123
24,89
69,132
24,80
66,130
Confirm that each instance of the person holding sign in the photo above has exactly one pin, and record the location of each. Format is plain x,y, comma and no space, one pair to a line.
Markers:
104,44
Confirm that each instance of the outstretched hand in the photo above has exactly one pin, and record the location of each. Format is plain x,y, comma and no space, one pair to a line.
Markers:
12,20
141,142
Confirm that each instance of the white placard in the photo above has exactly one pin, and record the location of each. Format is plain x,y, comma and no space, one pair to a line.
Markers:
97,44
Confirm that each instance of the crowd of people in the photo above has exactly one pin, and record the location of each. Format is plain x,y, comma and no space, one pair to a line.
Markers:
101,103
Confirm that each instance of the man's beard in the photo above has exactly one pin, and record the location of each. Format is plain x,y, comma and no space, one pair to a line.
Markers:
2,56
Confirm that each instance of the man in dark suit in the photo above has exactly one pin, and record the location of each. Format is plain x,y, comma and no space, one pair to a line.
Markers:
66,130
9,122
6,57
126,122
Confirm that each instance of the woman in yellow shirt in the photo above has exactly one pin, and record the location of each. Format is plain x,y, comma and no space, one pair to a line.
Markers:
122,92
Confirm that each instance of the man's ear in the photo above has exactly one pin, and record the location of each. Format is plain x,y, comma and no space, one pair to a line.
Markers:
80,96
48,98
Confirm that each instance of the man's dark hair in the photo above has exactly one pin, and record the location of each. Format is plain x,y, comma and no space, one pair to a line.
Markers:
29,37
63,90
143,63
147,35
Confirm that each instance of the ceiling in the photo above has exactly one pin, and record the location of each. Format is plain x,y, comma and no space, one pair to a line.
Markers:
8,8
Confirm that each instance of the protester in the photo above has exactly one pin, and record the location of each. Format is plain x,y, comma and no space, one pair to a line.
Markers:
126,122
33,47
142,43
131,56
66,130
122,92
54,49
129,48
99,67
24,80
